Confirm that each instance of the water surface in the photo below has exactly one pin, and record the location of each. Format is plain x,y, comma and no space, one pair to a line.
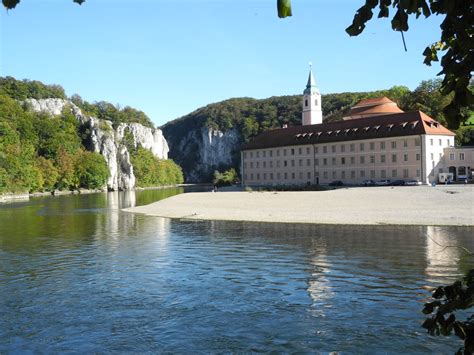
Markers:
79,275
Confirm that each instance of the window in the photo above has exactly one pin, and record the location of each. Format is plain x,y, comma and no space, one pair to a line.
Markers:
394,173
382,158
308,162
300,162
333,148
418,156
325,174
343,160
418,173
325,149
352,147
372,174
382,145
278,176
333,161
440,142
264,153
352,160
305,102
431,141
440,156
447,142
432,156
264,176
309,175
325,161
372,159
258,154
461,156
293,176
417,142
301,175
405,157
278,163
251,176
299,151
394,158
405,173
271,153
286,176
245,165
451,156
271,163
334,175
440,170
245,176
292,151
258,176
285,163
258,164
372,146
362,174
264,164
316,161
251,154
292,162
284,152
343,174
361,147
316,150
278,152
394,145
316,102
307,150
343,148
251,164
271,176
405,143
362,160
353,174
383,174
245,154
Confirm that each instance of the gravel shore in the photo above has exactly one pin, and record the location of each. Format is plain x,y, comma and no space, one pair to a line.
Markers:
401,205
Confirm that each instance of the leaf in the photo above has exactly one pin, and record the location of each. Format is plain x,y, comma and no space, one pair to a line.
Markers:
79,1
10,4
284,8
400,21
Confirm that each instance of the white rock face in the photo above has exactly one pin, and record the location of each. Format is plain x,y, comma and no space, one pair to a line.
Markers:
108,142
211,149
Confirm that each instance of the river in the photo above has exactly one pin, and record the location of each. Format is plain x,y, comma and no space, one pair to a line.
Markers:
79,275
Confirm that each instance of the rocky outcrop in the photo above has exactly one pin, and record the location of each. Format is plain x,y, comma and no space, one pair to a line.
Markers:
111,143
203,150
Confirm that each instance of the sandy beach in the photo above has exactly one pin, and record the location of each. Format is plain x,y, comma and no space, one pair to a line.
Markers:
404,205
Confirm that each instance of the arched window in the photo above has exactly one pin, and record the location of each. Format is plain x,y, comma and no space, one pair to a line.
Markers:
306,102
316,102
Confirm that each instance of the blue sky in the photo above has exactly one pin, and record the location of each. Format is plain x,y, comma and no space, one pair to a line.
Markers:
170,57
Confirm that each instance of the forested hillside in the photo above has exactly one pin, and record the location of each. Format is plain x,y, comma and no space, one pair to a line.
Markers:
42,152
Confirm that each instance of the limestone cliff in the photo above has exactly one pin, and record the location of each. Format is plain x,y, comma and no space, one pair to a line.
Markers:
111,143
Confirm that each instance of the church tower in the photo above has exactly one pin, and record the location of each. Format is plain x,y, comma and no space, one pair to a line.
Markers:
312,113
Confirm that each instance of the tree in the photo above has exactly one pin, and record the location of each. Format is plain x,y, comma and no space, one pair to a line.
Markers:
456,43
91,170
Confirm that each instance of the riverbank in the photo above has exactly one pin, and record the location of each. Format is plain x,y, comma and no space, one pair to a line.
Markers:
399,205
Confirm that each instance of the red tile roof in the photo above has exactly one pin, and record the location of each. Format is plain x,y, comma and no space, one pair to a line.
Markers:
392,125
372,107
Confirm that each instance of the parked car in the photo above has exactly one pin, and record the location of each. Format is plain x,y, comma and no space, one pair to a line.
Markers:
368,182
383,182
397,183
412,182
336,183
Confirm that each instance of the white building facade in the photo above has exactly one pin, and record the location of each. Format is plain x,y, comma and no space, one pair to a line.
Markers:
375,141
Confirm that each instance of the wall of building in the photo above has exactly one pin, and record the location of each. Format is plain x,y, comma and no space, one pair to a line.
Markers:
459,161
433,148
351,162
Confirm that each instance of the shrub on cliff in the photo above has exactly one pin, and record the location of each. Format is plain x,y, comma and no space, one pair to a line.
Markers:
151,171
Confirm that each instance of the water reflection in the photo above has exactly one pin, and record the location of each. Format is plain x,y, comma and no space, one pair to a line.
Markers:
78,274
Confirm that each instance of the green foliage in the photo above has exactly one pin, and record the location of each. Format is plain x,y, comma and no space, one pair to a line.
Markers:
91,169
465,135
284,8
455,43
447,301
151,171
29,89
227,178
